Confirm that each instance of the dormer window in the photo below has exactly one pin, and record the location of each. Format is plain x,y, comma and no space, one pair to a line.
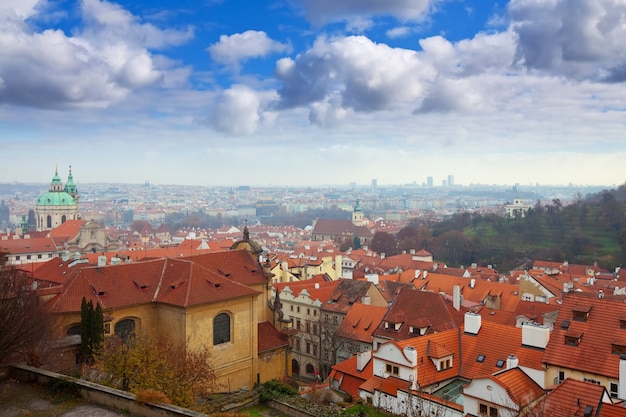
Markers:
618,347
622,322
580,312
573,338
445,363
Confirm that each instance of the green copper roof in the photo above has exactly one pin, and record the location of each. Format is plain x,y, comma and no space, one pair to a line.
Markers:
56,198
70,186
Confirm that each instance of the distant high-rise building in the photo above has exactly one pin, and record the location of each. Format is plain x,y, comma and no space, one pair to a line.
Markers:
450,180
374,184
429,181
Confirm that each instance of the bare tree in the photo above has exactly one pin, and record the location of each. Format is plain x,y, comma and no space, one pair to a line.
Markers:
24,322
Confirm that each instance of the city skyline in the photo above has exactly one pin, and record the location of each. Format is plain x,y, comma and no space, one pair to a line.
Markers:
313,92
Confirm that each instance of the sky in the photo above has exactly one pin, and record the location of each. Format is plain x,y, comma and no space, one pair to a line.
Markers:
313,92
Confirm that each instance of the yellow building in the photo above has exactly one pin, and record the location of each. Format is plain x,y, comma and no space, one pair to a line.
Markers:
217,300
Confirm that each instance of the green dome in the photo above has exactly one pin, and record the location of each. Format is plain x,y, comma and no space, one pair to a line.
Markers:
56,198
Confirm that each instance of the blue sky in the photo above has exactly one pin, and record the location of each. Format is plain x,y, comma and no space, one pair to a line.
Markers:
313,92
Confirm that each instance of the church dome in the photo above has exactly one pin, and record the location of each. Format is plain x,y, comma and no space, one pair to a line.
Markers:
56,198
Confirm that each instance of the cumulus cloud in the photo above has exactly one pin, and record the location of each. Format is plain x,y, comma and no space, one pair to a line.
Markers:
237,111
326,11
232,50
398,32
364,75
581,40
99,65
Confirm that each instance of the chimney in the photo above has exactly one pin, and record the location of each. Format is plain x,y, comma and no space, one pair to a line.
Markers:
456,297
621,390
412,251
474,265
472,322
102,260
362,359
512,362
317,285
366,300
382,256
411,355
472,283
535,335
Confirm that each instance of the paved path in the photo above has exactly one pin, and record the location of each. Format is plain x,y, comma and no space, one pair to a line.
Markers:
20,400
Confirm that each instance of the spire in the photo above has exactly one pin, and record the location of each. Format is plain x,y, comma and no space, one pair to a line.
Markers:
70,186
56,184
246,232
357,207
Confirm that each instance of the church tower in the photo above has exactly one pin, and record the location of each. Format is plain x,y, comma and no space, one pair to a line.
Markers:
57,205
357,214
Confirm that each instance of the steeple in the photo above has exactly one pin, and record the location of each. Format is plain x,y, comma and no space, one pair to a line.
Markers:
357,214
56,184
70,186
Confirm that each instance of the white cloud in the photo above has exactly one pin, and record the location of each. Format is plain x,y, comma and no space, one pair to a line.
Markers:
366,76
232,50
237,111
99,65
326,11
398,32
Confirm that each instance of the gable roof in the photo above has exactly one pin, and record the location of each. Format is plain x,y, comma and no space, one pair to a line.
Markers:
346,294
573,398
237,265
361,321
419,309
601,329
522,389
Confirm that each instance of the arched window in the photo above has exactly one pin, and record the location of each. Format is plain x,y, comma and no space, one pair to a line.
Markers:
125,329
74,329
310,369
221,329
49,221
63,219
295,367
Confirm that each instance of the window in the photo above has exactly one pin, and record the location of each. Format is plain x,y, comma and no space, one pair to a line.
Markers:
28,256
308,327
314,328
618,349
480,358
17,257
573,340
74,329
445,364
308,311
392,369
613,390
298,325
308,348
297,344
291,308
125,329
39,256
310,369
314,349
485,410
622,323
314,312
221,329
107,328
298,309
500,363
593,381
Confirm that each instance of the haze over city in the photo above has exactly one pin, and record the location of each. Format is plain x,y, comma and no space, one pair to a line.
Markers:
313,92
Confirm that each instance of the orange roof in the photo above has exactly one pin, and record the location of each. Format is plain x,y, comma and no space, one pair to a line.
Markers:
522,389
573,398
26,246
360,322
612,410
270,338
349,377
69,229
602,326
171,281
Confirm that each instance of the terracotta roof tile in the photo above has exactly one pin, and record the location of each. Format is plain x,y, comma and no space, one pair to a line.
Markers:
270,338
360,322
593,353
572,398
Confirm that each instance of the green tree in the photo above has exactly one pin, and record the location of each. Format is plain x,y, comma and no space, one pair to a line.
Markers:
91,329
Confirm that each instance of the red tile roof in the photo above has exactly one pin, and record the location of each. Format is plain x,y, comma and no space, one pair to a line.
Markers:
572,398
522,389
597,334
270,338
171,281
361,321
